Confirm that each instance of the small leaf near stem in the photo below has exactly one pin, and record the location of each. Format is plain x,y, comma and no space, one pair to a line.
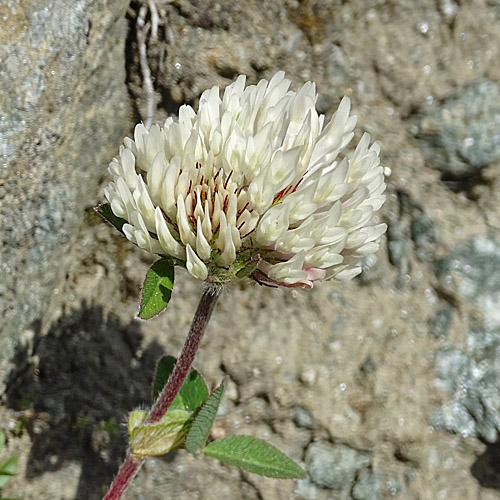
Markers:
254,455
193,392
157,288
203,421
147,440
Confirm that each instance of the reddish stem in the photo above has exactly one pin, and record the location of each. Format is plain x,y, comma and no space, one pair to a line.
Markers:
132,464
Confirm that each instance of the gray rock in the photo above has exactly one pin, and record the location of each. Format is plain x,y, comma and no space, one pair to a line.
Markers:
473,271
440,323
302,418
64,109
424,236
334,466
470,375
373,269
378,485
460,135
471,378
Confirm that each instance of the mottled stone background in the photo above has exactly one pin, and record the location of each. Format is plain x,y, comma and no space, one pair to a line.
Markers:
385,387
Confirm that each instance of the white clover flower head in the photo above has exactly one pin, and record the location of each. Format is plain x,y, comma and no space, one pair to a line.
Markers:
252,184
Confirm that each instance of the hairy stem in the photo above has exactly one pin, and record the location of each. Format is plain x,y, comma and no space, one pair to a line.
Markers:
132,464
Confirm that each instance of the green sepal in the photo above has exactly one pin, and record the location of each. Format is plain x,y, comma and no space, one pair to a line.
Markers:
157,288
193,392
203,421
105,211
254,455
147,440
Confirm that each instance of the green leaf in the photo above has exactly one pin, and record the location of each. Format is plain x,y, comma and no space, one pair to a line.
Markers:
157,288
193,392
254,455
203,421
105,211
148,440
7,469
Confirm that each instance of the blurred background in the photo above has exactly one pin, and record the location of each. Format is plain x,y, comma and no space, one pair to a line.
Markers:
384,387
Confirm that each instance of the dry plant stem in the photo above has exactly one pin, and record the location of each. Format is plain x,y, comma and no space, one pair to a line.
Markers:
147,82
132,464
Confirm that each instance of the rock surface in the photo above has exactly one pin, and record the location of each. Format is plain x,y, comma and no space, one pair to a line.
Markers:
460,136
334,466
64,109
470,375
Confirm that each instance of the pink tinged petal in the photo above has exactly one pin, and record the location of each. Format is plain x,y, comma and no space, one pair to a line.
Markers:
186,234
272,226
195,265
169,244
315,274
229,253
203,248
